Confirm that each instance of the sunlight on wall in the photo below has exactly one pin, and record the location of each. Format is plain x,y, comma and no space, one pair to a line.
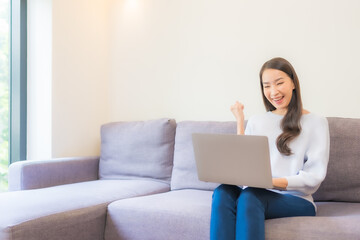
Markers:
131,5
132,9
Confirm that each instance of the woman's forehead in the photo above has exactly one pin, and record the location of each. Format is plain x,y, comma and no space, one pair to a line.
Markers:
273,75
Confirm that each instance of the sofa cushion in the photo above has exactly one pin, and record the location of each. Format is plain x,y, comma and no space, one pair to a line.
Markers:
342,181
73,211
183,214
137,150
184,174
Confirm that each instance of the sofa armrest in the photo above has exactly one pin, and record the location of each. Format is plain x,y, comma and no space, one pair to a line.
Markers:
32,174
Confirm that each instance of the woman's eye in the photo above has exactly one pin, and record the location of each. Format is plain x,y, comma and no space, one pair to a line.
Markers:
279,83
266,86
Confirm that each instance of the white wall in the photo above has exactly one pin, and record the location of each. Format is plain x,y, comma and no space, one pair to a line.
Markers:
192,59
80,76
119,60
68,77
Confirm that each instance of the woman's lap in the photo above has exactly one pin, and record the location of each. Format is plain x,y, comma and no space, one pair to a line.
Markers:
242,212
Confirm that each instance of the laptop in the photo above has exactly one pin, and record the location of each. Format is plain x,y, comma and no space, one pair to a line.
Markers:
242,160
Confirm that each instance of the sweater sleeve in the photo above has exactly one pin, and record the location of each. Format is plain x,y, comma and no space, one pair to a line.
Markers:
248,127
308,180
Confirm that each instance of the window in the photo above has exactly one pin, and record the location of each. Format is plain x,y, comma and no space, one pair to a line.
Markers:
13,71
4,91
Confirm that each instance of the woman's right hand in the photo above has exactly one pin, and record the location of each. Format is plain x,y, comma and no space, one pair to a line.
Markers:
238,110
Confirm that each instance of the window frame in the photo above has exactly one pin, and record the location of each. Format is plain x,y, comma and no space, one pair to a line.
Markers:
18,81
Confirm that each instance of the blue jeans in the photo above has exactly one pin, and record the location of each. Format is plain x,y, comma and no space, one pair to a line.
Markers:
241,214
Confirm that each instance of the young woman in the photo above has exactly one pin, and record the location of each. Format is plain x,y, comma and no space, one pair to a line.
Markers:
299,153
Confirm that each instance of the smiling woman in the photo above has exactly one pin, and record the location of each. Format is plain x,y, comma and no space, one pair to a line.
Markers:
4,92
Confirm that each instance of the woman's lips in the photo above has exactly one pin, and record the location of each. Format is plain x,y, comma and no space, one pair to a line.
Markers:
278,101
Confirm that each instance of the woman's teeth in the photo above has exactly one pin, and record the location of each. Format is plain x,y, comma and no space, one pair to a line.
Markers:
278,99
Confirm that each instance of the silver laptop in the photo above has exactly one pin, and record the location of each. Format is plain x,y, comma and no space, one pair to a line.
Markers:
242,160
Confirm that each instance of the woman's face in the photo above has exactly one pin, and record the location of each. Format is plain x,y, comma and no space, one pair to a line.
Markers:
278,89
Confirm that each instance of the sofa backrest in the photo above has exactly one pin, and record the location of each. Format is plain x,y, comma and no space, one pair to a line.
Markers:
137,150
150,149
342,181
184,174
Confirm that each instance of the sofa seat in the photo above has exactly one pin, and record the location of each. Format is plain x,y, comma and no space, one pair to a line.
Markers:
185,214
334,220
72,211
180,214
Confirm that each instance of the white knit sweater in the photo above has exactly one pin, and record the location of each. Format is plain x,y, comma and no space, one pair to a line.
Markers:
306,168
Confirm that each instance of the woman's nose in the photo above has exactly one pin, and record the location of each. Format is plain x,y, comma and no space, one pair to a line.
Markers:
273,91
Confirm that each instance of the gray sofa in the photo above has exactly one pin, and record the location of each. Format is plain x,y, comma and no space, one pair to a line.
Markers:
144,186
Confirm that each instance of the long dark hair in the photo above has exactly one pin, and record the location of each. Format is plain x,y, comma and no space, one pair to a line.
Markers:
290,124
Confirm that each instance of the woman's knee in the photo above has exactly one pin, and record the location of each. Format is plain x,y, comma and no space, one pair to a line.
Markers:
226,192
250,197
